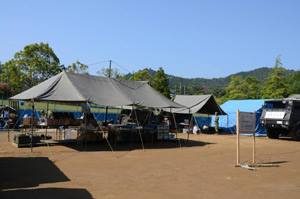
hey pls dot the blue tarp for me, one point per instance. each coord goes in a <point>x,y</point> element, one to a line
<point>203,121</point>
<point>228,122</point>
<point>99,116</point>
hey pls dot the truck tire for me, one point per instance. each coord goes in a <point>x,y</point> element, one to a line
<point>295,134</point>
<point>272,133</point>
<point>124,119</point>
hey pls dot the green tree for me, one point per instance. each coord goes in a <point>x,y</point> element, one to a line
<point>251,86</point>
<point>239,88</point>
<point>218,91</point>
<point>160,83</point>
<point>142,75</point>
<point>5,89</point>
<point>275,85</point>
<point>236,89</point>
<point>294,82</point>
<point>11,73</point>
<point>1,70</point>
<point>78,67</point>
<point>37,63</point>
<point>113,73</point>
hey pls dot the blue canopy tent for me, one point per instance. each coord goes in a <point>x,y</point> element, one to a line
<point>228,122</point>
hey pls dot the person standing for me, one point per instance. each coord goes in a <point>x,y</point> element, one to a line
<point>216,122</point>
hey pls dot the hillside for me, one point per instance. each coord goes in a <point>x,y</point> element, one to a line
<point>214,85</point>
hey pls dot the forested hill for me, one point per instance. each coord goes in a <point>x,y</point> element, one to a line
<point>214,85</point>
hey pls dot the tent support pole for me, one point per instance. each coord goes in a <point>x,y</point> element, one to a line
<point>102,131</point>
<point>85,129</point>
<point>138,128</point>
<point>197,126</point>
<point>46,114</point>
<point>190,122</point>
<point>8,137</point>
<point>106,110</point>
<point>32,119</point>
<point>176,127</point>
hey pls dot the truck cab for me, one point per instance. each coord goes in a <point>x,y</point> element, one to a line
<point>281,117</point>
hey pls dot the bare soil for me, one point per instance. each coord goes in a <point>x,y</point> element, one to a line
<point>203,167</point>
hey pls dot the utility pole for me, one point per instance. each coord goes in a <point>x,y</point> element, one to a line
<point>7,81</point>
<point>180,88</point>
<point>109,72</point>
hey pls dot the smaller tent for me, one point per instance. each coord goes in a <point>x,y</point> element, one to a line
<point>228,123</point>
<point>205,104</point>
<point>196,104</point>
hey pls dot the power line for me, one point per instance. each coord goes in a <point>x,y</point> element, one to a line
<point>109,61</point>
<point>120,66</point>
<point>98,63</point>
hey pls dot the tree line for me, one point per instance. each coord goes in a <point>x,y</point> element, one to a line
<point>38,62</point>
<point>277,84</point>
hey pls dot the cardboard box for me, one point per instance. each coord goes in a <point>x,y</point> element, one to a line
<point>27,121</point>
<point>49,122</point>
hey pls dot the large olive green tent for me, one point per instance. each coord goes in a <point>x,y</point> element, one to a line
<point>70,87</point>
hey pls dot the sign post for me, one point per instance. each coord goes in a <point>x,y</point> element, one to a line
<point>245,124</point>
<point>238,138</point>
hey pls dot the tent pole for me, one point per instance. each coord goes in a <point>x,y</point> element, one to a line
<point>197,126</point>
<point>208,123</point>
<point>85,129</point>
<point>176,127</point>
<point>46,114</point>
<point>106,111</point>
<point>32,119</point>
<point>138,127</point>
<point>8,138</point>
<point>188,133</point>
<point>102,131</point>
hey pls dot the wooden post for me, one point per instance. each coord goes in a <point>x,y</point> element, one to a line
<point>254,147</point>
<point>238,138</point>
<point>254,143</point>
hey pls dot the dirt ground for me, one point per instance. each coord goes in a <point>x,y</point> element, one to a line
<point>203,167</point>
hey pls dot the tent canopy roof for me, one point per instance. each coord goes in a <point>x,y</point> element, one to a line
<point>205,104</point>
<point>78,88</point>
<point>243,105</point>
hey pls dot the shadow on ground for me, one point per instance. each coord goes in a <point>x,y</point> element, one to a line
<point>128,146</point>
<point>47,193</point>
<point>28,172</point>
<point>277,162</point>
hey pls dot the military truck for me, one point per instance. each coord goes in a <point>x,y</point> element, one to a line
<point>281,117</point>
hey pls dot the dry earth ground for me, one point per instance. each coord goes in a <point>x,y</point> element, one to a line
<point>200,169</point>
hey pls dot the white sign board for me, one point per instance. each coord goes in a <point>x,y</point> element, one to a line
<point>247,122</point>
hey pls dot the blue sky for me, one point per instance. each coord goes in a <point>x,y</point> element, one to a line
<point>187,38</point>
